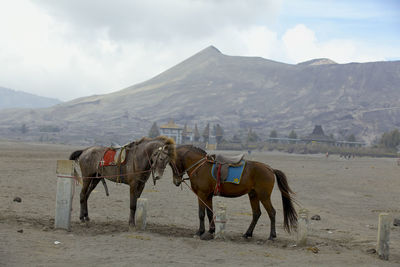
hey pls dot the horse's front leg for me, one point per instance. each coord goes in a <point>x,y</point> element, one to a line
<point>210,215</point>
<point>135,191</point>
<point>202,215</point>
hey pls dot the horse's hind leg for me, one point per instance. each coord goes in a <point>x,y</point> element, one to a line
<point>271,213</point>
<point>255,206</point>
<point>88,186</point>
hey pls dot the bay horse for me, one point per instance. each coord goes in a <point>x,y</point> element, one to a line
<point>257,181</point>
<point>142,158</point>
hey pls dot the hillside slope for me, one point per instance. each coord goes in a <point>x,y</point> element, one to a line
<point>18,99</point>
<point>238,93</point>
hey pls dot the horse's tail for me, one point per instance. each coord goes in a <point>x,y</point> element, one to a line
<point>75,155</point>
<point>289,213</point>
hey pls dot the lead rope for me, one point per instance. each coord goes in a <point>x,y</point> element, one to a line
<point>213,217</point>
<point>151,168</point>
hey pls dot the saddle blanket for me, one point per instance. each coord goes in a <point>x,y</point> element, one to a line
<point>234,173</point>
<point>113,157</point>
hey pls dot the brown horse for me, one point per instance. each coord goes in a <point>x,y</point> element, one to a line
<point>142,158</point>
<point>257,181</point>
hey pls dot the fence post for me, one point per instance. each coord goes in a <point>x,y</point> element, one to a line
<point>220,221</point>
<point>64,194</point>
<point>382,246</point>
<point>302,230</point>
<point>141,212</point>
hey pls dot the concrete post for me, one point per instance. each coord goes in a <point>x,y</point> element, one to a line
<point>382,246</point>
<point>220,221</point>
<point>64,194</point>
<point>141,212</point>
<point>302,230</point>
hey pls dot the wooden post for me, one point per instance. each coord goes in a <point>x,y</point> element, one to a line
<point>302,229</point>
<point>382,246</point>
<point>220,221</point>
<point>64,194</point>
<point>140,215</point>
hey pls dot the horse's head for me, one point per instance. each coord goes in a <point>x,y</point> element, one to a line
<point>185,161</point>
<point>162,154</point>
<point>178,170</point>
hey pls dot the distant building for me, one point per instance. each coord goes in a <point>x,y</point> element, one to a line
<point>187,135</point>
<point>317,136</point>
<point>173,131</point>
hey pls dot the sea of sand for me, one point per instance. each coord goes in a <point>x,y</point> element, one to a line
<point>348,195</point>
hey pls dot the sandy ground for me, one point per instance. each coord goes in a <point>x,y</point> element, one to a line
<point>347,194</point>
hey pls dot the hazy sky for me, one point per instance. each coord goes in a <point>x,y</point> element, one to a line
<point>73,48</point>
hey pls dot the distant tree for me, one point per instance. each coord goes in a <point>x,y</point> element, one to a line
<point>273,134</point>
<point>154,132</point>
<point>184,134</point>
<point>24,129</point>
<point>206,133</point>
<point>196,134</point>
<point>252,136</point>
<point>351,138</point>
<point>318,130</point>
<point>236,139</point>
<point>391,139</point>
<point>219,133</point>
<point>292,135</point>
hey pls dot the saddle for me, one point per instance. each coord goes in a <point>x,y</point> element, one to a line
<point>230,160</point>
<point>221,170</point>
<point>114,157</point>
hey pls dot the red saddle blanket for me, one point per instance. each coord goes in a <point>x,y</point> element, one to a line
<point>113,157</point>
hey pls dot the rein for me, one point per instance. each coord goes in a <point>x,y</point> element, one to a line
<point>197,164</point>
<point>151,168</point>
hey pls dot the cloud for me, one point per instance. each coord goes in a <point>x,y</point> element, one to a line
<point>301,44</point>
<point>158,20</point>
<point>68,49</point>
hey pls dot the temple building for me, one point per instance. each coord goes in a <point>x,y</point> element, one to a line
<point>173,131</point>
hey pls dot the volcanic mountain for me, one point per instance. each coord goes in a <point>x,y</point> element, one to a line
<point>17,99</point>
<point>234,91</point>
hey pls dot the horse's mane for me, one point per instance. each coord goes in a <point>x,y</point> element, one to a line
<point>166,140</point>
<point>194,149</point>
<point>169,142</point>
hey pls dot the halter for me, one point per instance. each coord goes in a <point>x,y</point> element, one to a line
<point>152,166</point>
<point>197,164</point>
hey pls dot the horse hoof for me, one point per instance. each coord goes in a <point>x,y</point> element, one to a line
<point>247,236</point>
<point>199,233</point>
<point>84,219</point>
<point>207,236</point>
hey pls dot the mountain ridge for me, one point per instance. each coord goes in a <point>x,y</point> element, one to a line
<point>18,99</point>
<point>238,93</point>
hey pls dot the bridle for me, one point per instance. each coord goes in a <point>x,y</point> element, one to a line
<point>154,163</point>
<point>195,165</point>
